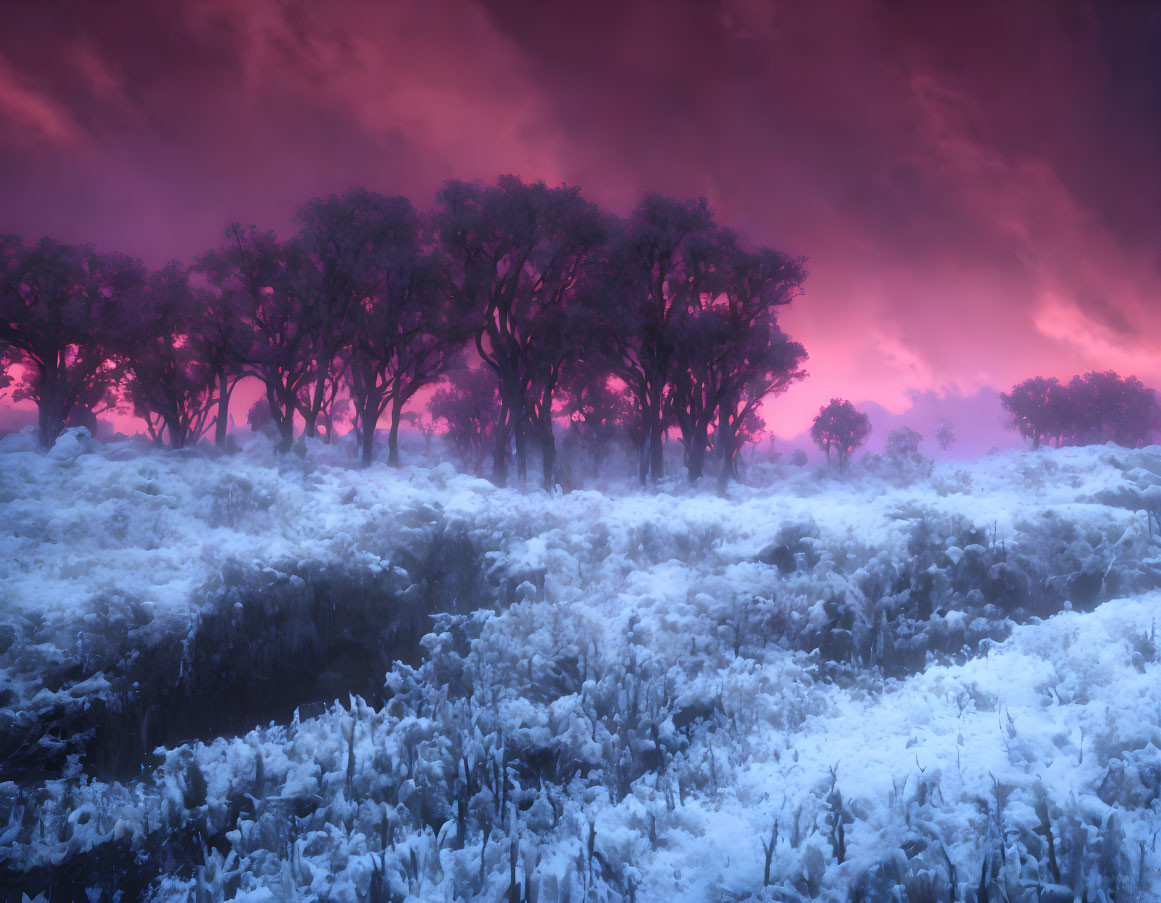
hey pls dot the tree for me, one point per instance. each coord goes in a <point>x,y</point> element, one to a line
<point>222,337</point>
<point>61,313</point>
<point>655,272</point>
<point>169,385</point>
<point>1104,407</point>
<point>903,442</point>
<point>259,418</point>
<point>269,282</point>
<point>759,360</point>
<point>338,241</point>
<point>470,406</point>
<point>520,255</point>
<point>1038,408</point>
<point>407,325</point>
<point>841,426</point>
<point>945,436</point>
<point>6,359</point>
<point>598,413</point>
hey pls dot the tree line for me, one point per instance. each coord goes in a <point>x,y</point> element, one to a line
<point>1091,409</point>
<point>528,303</point>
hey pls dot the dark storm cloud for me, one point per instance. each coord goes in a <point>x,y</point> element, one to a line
<point>976,184</point>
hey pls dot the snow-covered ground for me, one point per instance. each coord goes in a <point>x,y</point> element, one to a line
<point>941,686</point>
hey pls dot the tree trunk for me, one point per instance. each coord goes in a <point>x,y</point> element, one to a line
<point>50,416</point>
<point>284,419</point>
<point>727,440</point>
<point>393,436</point>
<point>310,423</point>
<point>696,464</point>
<point>221,421</point>
<point>521,452</point>
<point>367,423</point>
<point>657,452</point>
<point>314,405</point>
<point>176,433</point>
<point>500,454</point>
<point>548,456</point>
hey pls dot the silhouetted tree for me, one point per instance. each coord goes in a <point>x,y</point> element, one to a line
<point>520,254</point>
<point>222,337</point>
<point>903,442</point>
<point>655,273</point>
<point>1038,409</point>
<point>339,241</point>
<point>470,406</point>
<point>598,413</point>
<point>729,352</point>
<point>169,385</point>
<point>260,419</point>
<point>61,313</point>
<point>407,327</point>
<point>759,360</point>
<point>6,359</point>
<point>1104,407</point>
<point>269,281</point>
<point>841,426</point>
<point>945,435</point>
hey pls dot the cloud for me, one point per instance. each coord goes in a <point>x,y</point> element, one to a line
<point>975,185</point>
<point>34,118</point>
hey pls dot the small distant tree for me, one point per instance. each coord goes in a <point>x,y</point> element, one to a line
<point>259,418</point>
<point>945,436</point>
<point>422,423</point>
<point>1037,408</point>
<point>169,385</point>
<point>842,427</point>
<point>903,442</point>
<point>798,457</point>
<point>62,314</point>
<point>470,407</point>
<point>598,413</point>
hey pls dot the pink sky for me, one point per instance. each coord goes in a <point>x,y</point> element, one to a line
<point>976,185</point>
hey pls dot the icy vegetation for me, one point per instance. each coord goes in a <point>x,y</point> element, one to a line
<point>241,678</point>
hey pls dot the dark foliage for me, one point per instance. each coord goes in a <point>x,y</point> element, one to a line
<point>842,427</point>
<point>1091,409</point>
<point>370,302</point>
<point>470,407</point>
<point>62,313</point>
<point>169,383</point>
<point>522,256</point>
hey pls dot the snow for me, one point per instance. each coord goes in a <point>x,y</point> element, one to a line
<point>627,692</point>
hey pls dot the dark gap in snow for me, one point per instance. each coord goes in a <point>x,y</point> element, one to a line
<point>266,642</point>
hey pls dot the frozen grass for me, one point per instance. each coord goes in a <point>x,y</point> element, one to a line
<point>810,690</point>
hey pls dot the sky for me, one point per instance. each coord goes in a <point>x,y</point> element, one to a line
<point>976,186</point>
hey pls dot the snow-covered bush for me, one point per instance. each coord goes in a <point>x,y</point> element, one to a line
<point>376,684</point>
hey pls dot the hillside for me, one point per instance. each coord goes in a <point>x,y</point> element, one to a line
<point>235,678</point>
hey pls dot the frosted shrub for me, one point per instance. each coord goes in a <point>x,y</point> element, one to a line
<point>230,500</point>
